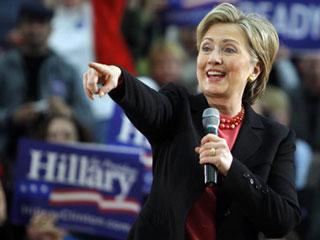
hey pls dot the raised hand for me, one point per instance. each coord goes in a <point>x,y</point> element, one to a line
<point>100,79</point>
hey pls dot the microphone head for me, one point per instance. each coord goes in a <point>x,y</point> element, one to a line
<point>210,118</point>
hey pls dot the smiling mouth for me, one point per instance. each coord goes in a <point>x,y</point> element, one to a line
<point>215,75</point>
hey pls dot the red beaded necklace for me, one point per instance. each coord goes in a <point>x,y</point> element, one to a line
<point>231,123</point>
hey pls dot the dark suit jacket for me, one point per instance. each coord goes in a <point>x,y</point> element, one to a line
<point>257,195</point>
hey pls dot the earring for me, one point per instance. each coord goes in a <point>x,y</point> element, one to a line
<point>251,78</point>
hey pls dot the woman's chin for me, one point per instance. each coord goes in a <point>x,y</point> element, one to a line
<point>212,93</point>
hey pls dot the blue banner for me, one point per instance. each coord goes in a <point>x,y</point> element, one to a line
<point>94,189</point>
<point>123,133</point>
<point>297,21</point>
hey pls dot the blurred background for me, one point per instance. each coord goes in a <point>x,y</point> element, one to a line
<point>45,46</point>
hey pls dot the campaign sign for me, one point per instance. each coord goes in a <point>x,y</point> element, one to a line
<point>94,189</point>
<point>123,133</point>
<point>297,21</point>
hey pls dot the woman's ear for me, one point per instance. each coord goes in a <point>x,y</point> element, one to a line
<point>256,72</point>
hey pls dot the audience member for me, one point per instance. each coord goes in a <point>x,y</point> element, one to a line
<point>109,43</point>
<point>284,73</point>
<point>42,227</point>
<point>62,129</point>
<point>34,78</point>
<point>166,62</point>
<point>141,25</point>
<point>305,113</point>
<point>188,42</point>
<point>72,32</point>
<point>77,35</point>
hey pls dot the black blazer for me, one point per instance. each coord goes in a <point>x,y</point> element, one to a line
<point>257,195</point>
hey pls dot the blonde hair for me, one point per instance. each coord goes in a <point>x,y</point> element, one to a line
<point>263,42</point>
<point>161,46</point>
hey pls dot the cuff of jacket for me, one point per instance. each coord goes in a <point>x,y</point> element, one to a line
<point>118,93</point>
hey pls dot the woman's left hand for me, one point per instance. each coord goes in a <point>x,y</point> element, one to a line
<point>214,150</point>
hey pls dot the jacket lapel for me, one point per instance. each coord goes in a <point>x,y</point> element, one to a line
<point>198,104</point>
<point>249,138</point>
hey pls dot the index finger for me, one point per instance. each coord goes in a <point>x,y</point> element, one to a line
<point>90,80</point>
<point>209,138</point>
<point>100,68</point>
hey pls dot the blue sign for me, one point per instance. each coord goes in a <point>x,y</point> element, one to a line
<point>95,189</point>
<point>123,133</point>
<point>297,21</point>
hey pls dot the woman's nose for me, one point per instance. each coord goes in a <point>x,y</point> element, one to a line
<point>215,57</point>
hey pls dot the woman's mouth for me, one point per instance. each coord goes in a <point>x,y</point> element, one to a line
<point>214,75</point>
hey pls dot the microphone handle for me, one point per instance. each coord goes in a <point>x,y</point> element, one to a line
<point>210,171</point>
<point>210,175</point>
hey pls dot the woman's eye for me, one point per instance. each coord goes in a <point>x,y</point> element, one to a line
<point>206,49</point>
<point>230,50</point>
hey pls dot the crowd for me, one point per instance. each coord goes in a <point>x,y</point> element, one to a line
<point>45,49</point>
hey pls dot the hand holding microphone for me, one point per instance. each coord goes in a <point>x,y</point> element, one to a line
<point>213,152</point>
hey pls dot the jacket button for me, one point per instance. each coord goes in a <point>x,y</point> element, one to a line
<point>246,175</point>
<point>251,181</point>
<point>264,190</point>
<point>227,213</point>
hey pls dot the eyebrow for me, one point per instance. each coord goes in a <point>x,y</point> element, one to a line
<point>224,40</point>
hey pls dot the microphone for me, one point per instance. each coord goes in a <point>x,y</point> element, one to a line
<point>210,122</point>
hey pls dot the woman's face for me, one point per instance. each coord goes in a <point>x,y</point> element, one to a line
<point>35,33</point>
<point>61,130</point>
<point>166,68</point>
<point>224,63</point>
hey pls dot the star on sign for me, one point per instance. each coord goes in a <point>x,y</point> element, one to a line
<point>23,188</point>
<point>33,188</point>
<point>44,188</point>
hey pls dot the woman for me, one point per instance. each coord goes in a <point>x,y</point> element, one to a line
<point>253,155</point>
<point>61,128</point>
